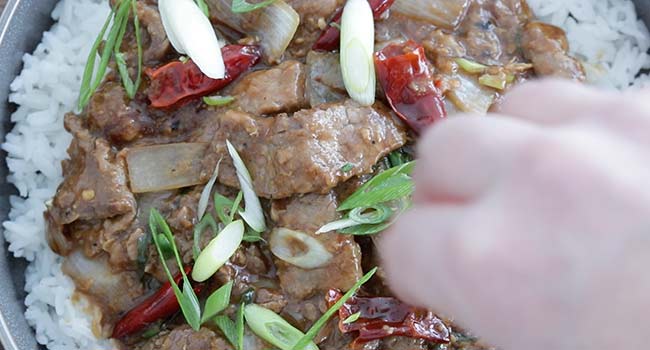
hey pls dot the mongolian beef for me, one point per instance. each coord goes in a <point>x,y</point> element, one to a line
<point>237,206</point>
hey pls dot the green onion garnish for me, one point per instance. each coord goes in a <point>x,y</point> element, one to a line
<point>218,101</point>
<point>390,184</point>
<point>187,299</point>
<point>204,7</point>
<point>217,302</point>
<point>242,6</point>
<point>239,325</point>
<point>274,329</point>
<point>227,327</point>
<point>199,229</point>
<point>316,328</point>
<point>496,81</point>
<point>218,251</point>
<point>252,214</point>
<point>357,47</point>
<point>347,167</point>
<point>352,318</point>
<point>118,20</point>
<point>471,66</point>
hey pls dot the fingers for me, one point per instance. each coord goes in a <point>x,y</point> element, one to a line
<point>462,156</point>
<point>456,262</point>
<point>550,102</point>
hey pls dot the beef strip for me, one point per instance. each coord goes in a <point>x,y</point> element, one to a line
<point>185,338</point>
<point>94,188</point>
<point>307,214</point>
<point>304,152</point>
<point>324,78</point>
<point>274,90</point>
<point>155,42</point>
<point>110,113</point>
<point>547,47</point>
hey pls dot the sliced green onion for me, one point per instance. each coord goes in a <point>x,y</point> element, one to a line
<point>227,327</point>
<point>357,47</point>
<point>347,167</point>
<point>218,101</point>
<point>496,81</point>
<point>206,222</point>
<point>217,302</point>
<point>184,59</point>
<point>242,6</point>
<point>223,204</point>
<point>274,329</point>
<point>373,214</point>
<point>239,325</point>
<point>252,214</point>
<point>190,32</point>
<point>130,87</point>
<point>360,216</point>
<point>471,66</point>
<point>204,7</point>
<point>218,251</point>
<point>91,79</point>
<point>352,318</point>
<point>390,184</point>
<point>251,236</point>
<point>310,253</point>
<point>165,247</point>
<point>337,225</point>
<point>318,325</point>
<point>187,299</point>
<point>205,194</point>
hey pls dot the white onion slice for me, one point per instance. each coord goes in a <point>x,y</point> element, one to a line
<point>190,32</point>
<point>252,214</point>
<point>218,251</point>
<point>299,249</point>
<point>357,47</point>
<point>205,194</point>
<point>164,167</point>
<point>446,14</point>
<point>470,96</point>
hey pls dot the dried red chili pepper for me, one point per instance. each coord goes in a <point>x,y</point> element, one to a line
<point>329,39</point>
<point>158,306</point>
<point>382,317</point>
<point>405,75</point>
<point>176,82</point>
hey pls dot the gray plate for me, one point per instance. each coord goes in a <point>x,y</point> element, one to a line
<point>21,26</point>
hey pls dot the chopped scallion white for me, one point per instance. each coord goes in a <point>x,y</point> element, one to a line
<point>298,248</point>
<point>357,46</point>
<point>252,214</point>
<point>274,329</point>
<point>190,32</point>
<point>205,194</point>
<point>218,251</point>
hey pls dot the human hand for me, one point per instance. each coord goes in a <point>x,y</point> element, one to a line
<point>532,227</point>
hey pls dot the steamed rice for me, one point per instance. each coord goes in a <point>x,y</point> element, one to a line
<point>605,34</point>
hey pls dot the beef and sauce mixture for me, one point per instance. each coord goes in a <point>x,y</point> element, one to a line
<point>137,182</point>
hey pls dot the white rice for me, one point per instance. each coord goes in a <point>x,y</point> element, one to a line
<point>604,33</point>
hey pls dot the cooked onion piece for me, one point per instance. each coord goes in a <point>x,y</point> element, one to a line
<point>471,96</point>
<point>164,167</point>
<point>299,249</point>
<point>271,327</point>
<point>446,14</point>
<point>357,47</point>
<point>190,32</point>
<point>252,214</point>
<point>218,251</point>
